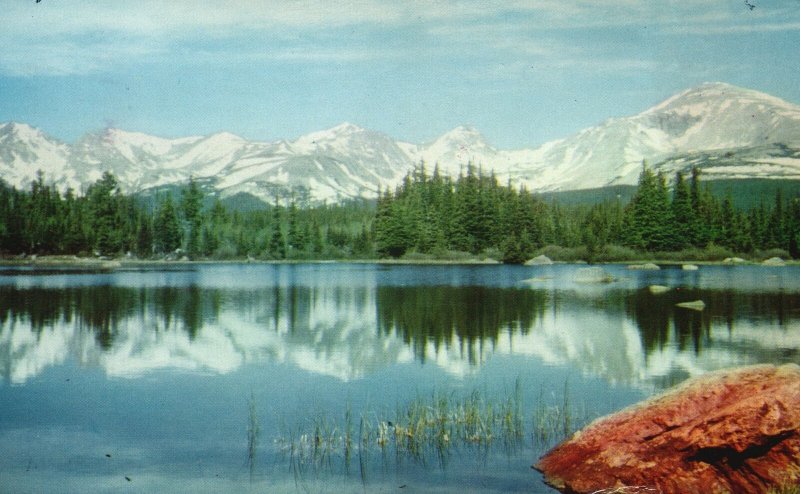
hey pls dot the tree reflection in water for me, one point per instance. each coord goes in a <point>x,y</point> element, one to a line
<point>349,330</point>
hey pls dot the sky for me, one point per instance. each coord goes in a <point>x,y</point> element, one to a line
<point>521,72</point>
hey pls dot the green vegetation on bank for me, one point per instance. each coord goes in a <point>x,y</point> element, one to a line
<point>474,213</point>
<point>428,217</point>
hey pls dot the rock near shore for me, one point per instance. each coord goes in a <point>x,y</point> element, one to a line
<point>735,431</point>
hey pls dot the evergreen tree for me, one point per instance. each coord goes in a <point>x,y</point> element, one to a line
<point>777,234</point>
<point>793,228</point>
<point>277,241</point>
<point>103,202</point>
<point>42,218</point>
<point>298,234</point>
<point>191,204</point>
<point>391,235</point>
<point>15,209</point>
<point>166,227</point>
<point>649,214</point>
<point>76,238</point>
<point>144,237</point>
<point>470,228</point>
<point>705,227</point>
<point>595,228</point>
<point>682,215</point>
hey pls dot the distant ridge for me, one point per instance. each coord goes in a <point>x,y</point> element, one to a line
<point>728,131</point>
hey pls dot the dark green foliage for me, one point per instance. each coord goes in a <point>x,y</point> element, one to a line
<point>166,228</point>
<point>299,234</point>
<point>277,240</point>
<point>682,214</point>
<point>393,234</point>
<point>431,215</point>
<point>434,214</point>
<point>104,201</point>
<point>649,216</point>
<point>427,216</point>
<point>191,204</point>
<point>590,197</point>
<point>144,237</point>
<point>748,194</point>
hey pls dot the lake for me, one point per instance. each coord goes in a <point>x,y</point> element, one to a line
<point>308,377</point>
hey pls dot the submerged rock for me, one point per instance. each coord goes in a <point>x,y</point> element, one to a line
<point>538,279</point>
<point>542,260</point>
<point>593,274</point>
<point>649,266</point>
<point>733,260</point>
<point>694,305</point>
<point>658,289</point>
<point>690,267</point>
<point>728,431</point>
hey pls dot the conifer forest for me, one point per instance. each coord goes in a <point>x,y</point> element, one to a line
<point>428,216</point>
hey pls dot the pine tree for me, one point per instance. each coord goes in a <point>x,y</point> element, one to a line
<point>103,202</point>
<point>595,231</point>
<point>649,214</point>
<point>277,241</point>
<point>391,237</point>
<point>298,236</point>
<point>705,227</point>
<point>166,227</point>
<point>191,204</point>
<point>793,227</point>
<point>777,235</point>
<point>682,215</point>
<point>144,237</point>
<point>14,239</point>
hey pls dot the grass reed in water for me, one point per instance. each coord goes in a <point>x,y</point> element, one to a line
<point>429,427</point>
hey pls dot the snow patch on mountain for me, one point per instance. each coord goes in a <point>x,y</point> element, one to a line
<point>728,131</point>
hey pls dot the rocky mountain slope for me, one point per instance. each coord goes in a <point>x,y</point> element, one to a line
<point>728,131</point>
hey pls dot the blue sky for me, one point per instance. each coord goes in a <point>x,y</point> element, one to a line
<point>521,72</point>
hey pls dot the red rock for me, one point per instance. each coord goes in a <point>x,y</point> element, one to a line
<point>735,431</point>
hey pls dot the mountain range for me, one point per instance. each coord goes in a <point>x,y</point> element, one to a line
<point>728,131</point>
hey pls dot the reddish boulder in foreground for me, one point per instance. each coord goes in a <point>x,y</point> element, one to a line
<point>734,431</point>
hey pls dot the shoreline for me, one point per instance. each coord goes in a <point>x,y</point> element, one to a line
<point>66,261</point>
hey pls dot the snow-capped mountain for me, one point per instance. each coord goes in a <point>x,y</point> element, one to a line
<point>717,119</point>
<point>728,131</point>
<point>343,162</point>
<point>25,150</point>
<point>456,148</point>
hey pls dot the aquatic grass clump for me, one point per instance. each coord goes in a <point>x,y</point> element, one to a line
<point>791,483</point>
<point>427,427</point>
<point>253,432</point>
<point>786,489</point>
<point>552,423</point>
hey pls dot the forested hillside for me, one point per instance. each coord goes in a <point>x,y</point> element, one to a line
<point>474,213</point>
<point>428,216</point>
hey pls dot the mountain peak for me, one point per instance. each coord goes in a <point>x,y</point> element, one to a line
<point>718,94</point>
<point>463,133</point>
<point>222,137</point>
<point>345,128</point>
<point>21,131</point>
<point>337,136</point>
<point>460,146</point>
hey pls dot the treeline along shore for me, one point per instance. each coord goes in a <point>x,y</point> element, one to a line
<point>427,217</point>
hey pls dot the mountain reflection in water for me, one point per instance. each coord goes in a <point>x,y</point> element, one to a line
<point>621,333</point>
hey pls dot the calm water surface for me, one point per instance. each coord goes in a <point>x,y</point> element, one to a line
<point>153,380</point>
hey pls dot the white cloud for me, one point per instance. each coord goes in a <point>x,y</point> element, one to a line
<point>86,36</point>
<point>715,29</point>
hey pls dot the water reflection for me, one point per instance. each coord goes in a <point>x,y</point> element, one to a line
<point>661,322</point>
<point>465,320</point>
<point>622,332</point>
